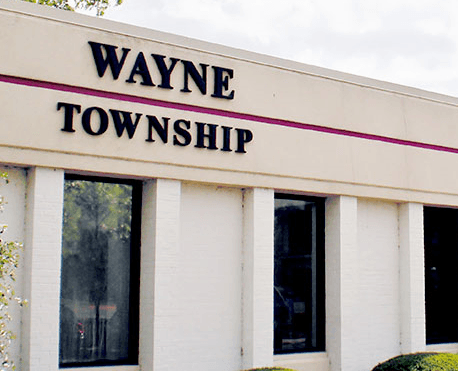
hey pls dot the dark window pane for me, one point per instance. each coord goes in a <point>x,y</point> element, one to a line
<point>97,318</point>
<point>299,275</point>
<point>441,274</point>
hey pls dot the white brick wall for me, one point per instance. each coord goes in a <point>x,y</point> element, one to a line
<point>43,261</point>
<point>258,258</point>
<point>341,242</point>
<point>198,277</point>
<point>412,281</point>
<point>191,280</point>
<point>207,277</point>
<point>377,330</point>
<point>192,246</point>
<point>148,248</point>
<point>362,283</point>
<point>160,278</point>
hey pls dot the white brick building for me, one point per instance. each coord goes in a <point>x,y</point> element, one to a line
<point>188,206</point>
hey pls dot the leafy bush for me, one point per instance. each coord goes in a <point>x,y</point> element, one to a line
<point>420,362</point>
<point>9,260</point>
<point>99,5</point>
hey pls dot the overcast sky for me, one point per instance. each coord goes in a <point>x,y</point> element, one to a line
<point>410,42</point>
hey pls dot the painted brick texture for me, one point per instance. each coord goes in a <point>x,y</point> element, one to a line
<point>207,277</point>
<point>412,268</point>
<point>198,279</point>
<point>376,314</point>
<point>363,285</point>
<point>258,258</point>
<point>43,261</point>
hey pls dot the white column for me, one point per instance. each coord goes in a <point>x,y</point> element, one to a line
<point>160,246</point>
<point>258,255</point>
<point>341,281</point>
<point>147,276</point>
<point>42,250</point>
<point>412,278</point>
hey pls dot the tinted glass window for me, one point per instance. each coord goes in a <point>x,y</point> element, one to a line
<point>299,274</point>
<point>441,274</point>
<point>100,270</point>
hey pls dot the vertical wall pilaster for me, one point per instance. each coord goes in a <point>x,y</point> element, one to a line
<point>258,256</point>
<point>146,333</point>
<point>412,278</point>
<point>160,246</point>
<point>42,261</point>
<point>341,279</point>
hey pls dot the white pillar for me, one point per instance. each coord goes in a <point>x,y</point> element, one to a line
<point>258,255</point>
<point>42,261</point>
<point>160,246</point>
<point>412,278</point>
<point>146,334</point>
<point>341,280</point>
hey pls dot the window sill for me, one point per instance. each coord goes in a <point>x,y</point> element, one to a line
<point>314,361</point>
<point>443,348</point>
<point>103,368</point>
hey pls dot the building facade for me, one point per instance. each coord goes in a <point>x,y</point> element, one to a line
<point>189,206</point>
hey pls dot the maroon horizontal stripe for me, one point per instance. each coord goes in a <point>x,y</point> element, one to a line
<point>218,112</point>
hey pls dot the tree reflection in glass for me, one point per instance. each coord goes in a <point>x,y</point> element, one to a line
<point>95,281</point>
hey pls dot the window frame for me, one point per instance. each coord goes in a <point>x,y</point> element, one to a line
<point>320,272</point>
<point>134,284</point>
<point>438,265</point>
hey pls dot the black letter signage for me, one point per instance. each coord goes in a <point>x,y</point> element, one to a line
<point>96,121</point>
<point>139,67</point>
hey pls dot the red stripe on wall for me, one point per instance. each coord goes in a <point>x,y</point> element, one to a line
<point>218,112</point>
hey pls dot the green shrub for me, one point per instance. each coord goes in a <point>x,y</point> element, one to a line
<point>420,362</point>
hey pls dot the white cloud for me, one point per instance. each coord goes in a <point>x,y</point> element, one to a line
<point>410,42</point>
